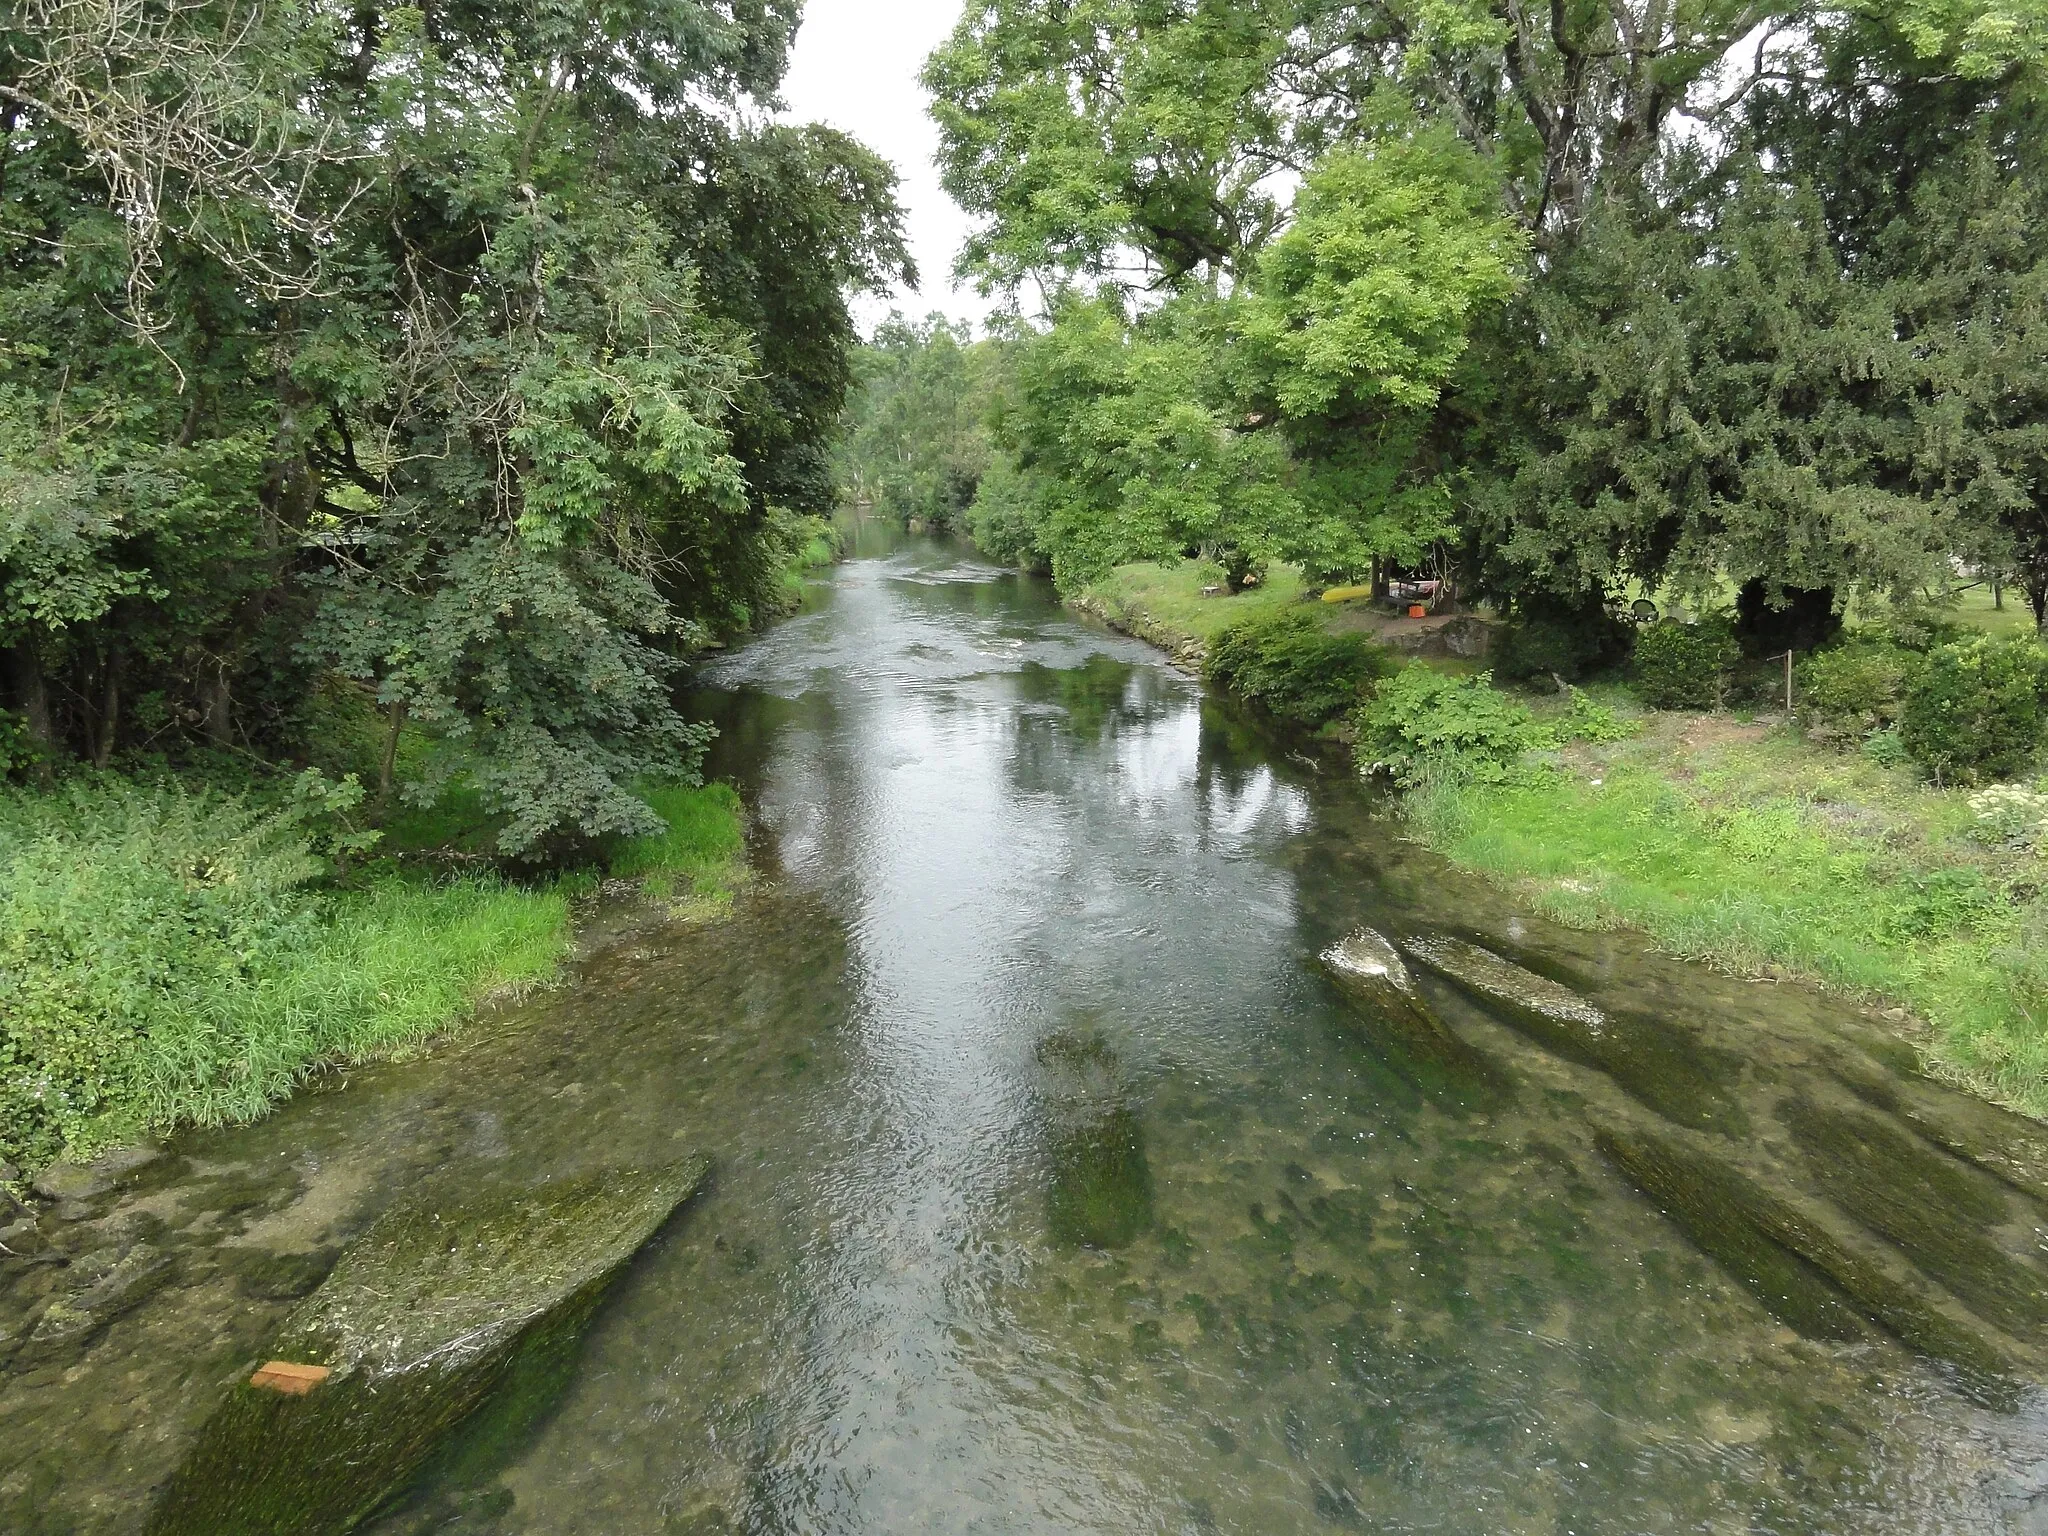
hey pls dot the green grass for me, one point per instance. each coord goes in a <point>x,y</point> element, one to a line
<point>1975,608</point>
<point>1164,603</point>
<point>171,955</point>
<point>700,859</point>
<point>1765,855</point>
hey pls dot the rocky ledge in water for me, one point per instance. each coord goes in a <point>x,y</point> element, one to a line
<point>429,1317</point>
<point>1657,1063</point>
<point>1816,1276</point>
<point>1399,1019</point>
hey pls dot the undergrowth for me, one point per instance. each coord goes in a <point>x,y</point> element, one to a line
<point>171,955</point>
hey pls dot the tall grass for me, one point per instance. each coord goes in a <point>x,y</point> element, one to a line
<point>1767,885</point>
<point>169,955</point>
<point>699,856</point>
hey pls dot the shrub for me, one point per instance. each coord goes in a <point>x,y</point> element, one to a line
<point>1973,711</point>
<point>1424,727</point>
<point>1590,720</point>
<point>1886,750</point>
<point>1289,665</point>
<point>1685,666</point>
<point>1550,639</point>
<point>1862,683</point>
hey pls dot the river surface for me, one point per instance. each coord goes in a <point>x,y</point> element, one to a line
<point>1057,1188</point>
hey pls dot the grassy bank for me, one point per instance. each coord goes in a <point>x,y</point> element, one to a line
<point>1742,844</point>
<point>1164,605</point>
<point>1753,850</point>
<point>171,955</point>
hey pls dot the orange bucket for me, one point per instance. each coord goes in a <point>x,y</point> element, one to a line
<point>1416,610</point>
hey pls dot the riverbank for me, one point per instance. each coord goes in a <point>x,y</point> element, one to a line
<point>174,955</point>
<point>1744,845</point>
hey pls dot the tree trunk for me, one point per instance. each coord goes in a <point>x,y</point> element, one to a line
<point>387,767</point>
<point>217,708</point>
<point>110,711</point>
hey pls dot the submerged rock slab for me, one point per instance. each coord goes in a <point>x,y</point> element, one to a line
<point>1098,1190</point>
<point>1652,1061</point>
<point>425,1319</point>
<point>2010,1147</point>
<point>1802,1274</point>
<point>1371,971</point>
<point>1937,1211</point>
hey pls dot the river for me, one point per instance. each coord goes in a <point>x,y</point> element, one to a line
<point>1057,1187</point>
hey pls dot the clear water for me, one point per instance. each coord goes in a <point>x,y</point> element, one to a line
<point>1057,1190</point>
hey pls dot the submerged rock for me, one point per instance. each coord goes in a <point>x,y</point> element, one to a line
<point>113,1287</point>
<point>1654,1062</point>
<point>1100,1191</point>
<point>68,1182</point>
<point>1099,1186</point>
<point>1803,1275</point>
<point>1936,1210</point>
<point>2010,1147</point>
<point>1372,973</point>
<point>425,1319</point>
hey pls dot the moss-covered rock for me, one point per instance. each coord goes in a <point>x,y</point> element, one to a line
<point>425,1320</point>
<point>118,1283</point>
<point>1935,1209</point>
<point>1655,1062</point>
<point>2010,1147</point>
<point>1099,1185</point>
<point>1806,1278</point>
<point>1398,1019</point>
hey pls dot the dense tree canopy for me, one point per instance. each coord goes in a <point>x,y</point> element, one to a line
<point>1564,296</point>
<point>480,354</point>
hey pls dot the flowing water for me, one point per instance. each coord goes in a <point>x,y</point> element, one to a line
<point>1058,1189</point>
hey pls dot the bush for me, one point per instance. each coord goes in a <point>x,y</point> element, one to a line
<point>1288,664</point>
<point>1685,666</point>
<point>1424,727</point>
<point>1973,711</point>
<point>1590,720</point>
<point>1548,639</point>
<point>1862,683</point>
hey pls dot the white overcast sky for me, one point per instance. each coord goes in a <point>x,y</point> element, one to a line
<point>855,67</point>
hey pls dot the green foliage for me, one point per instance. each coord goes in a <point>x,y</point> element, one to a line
<point>1973,710</point>
<point>1290,665</point>
<point>1782,329</point>
<point>1126,436</point>
<point>474,358</point>
<point>915,444</point>
<point>1862,683</point>
<point>1685,666</point>
<point>1006,519</point>
<point>1885,749</point>
<point>163,956</point>
<point>170,955</point>
<point>1590,720</point>
<point>1546,639</point>
<point>1424,728</point>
